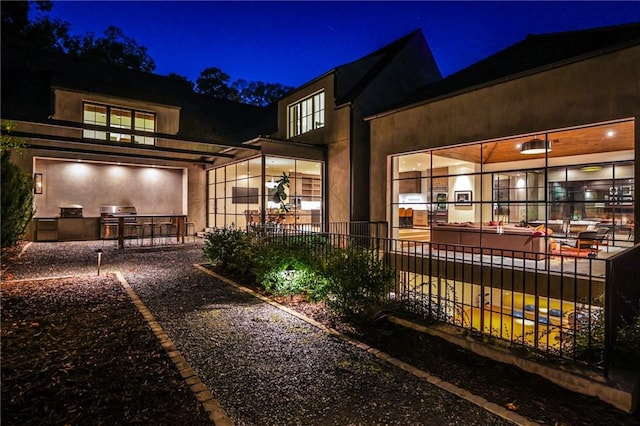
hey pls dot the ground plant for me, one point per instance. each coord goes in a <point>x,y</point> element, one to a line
<point>230,249</point>
<point>351,278</point>
<point>357,278</point>
<point>627,349</point>
<point>291,265</point>
<point>17,201</point>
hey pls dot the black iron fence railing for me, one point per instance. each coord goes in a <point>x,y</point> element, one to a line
<point>565,307</point>
<point>622,295</point>
<point>360,229</point>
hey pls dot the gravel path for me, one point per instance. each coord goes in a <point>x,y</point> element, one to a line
<point>265,366</point>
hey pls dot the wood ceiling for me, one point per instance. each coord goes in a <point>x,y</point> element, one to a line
<point>588,140</point>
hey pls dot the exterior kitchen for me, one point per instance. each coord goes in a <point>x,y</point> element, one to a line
<point>75,196</point>
<point>103,141</point>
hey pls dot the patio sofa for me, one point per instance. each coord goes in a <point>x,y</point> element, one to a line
<point>512,241</point>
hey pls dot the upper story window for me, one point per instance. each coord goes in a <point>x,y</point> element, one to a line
<point>118,118</point>
<point>306,115</point>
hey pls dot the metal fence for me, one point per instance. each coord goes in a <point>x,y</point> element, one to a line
<point>561,306</point>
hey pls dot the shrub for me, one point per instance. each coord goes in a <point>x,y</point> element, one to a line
<point>230,249</point>
<point>17,202</point>
<point>290,265</point>
<point>627,349</point>
<point>357,279</point>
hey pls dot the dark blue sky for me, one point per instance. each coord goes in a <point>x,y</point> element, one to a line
<point>293,42</point>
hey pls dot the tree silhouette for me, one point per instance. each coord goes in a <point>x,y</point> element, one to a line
<point>42,32</point>
<point>115,48</point>
<point>215,82</point>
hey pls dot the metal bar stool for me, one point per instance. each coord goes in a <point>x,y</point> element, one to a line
<point>190,229</point>
<point>152,230</point>
<point>166,231</point>
<point>133,230</point>
<point>110,233</point>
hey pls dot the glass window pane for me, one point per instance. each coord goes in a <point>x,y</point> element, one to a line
<point>119,137</point>
<point>95,114</point>
<point>255,166</point>
<point>144,121</point>
<point>145,140</point>
<point>120,118</point>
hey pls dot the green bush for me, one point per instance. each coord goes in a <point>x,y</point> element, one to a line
<point>231,250</point>
<point>627,349</point>
<point>17,202</point>
<point>289,265</point>
<point>351,280</point>
<point>357,279</point>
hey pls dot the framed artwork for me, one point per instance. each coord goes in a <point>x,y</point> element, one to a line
<point>462,198</point>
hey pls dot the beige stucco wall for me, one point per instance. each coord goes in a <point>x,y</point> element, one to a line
<point>180,188</point>
<point>91,185</point>
<point>68,107</point>
<point>335,136</point>
<point>338,169</point>
<point>318,136</point>
<point>593,90</point>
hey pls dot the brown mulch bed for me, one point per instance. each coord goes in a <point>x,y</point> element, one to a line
<point>76,351</point>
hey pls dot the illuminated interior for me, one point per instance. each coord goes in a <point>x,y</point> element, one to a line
<point>239,195</point>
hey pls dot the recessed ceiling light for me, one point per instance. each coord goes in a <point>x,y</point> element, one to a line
<point>611,133</point>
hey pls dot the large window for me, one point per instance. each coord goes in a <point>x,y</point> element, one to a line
<point>579,180</point>
<point>118,118</point>
<point>239,194</point>
<point>306,115</point>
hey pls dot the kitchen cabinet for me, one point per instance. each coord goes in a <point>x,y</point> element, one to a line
<point>410,183</point>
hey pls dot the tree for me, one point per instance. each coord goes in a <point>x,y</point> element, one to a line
<point>16,192</point>
<point>215,82</point>
<point>7,140</point>
<point>259,93</point>
<point>42,32</point>
<point>115,48</point>
<point>176,76</point>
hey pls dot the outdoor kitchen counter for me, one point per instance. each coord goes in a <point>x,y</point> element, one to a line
<point>66,228</point>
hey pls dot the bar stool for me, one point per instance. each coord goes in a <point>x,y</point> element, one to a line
<point>151,229</point>
<point>110,233</point>
<point>190,229</point>
<point>133,230</point>
<point>166,229</point>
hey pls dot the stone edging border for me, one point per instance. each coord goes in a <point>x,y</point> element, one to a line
<point>449,387</point>
<point>210,405</point>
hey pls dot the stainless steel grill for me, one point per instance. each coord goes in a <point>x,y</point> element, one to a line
<point>71,210</point>
<point>109,216</point>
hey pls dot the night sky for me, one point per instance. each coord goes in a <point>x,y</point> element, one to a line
<point>293,42</point>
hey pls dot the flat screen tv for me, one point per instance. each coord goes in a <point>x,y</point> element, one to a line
<point>244,195</point>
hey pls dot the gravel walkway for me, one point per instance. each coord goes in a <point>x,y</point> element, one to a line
<point>264,366</point>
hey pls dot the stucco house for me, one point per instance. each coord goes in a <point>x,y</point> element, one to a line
<point>101,135</point>
<point>508,187</point>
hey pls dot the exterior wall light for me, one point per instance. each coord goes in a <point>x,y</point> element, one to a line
<point>37,183</point>
<point>535,146</point>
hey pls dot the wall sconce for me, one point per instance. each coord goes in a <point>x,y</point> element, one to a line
<point>37,183</point>
<point>535,146</point>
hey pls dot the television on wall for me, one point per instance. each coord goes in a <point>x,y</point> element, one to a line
<point>244,195</point>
